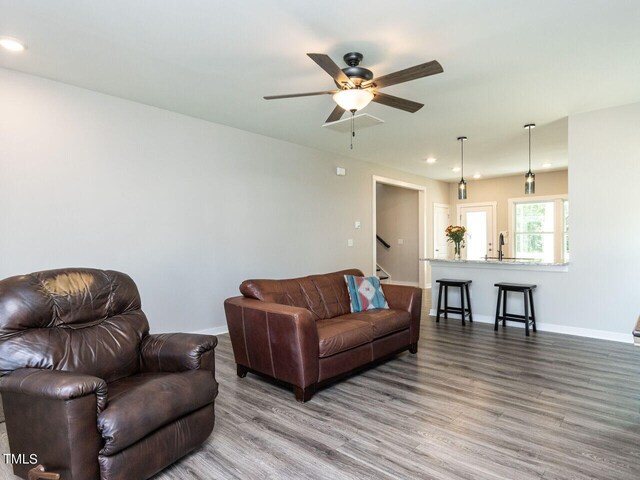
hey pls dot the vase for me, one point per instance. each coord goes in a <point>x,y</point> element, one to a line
<point>457,251</point>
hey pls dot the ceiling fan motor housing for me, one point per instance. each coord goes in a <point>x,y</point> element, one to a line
<point>353,71</point>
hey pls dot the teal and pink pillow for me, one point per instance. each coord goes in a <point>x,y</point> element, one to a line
<point>365,293</point>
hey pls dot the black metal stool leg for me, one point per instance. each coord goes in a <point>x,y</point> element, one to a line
<point>504,307</point>
<point>439,306</point>
<point>462,315</point>
<point>466,287</point>
<point>446,302</point>
<point>526,314</point>
<point>495,327</point>
<point>533,313</point>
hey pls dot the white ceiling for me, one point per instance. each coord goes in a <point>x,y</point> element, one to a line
<point>506,63</point>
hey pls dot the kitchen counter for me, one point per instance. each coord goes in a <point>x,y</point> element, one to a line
<point>550,279</point>
<point>530,265</point>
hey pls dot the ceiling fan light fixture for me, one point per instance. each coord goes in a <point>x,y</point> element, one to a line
<point>353,99</point>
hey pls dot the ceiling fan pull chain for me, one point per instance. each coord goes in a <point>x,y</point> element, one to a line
<point>353,126</point>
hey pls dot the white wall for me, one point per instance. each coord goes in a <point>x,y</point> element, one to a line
<point>397,220</point>
<point>604,187</point>
<point>188,208</point>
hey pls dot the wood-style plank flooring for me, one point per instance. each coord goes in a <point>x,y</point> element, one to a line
<point>472,404</point>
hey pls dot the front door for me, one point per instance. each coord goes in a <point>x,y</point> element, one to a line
<point>479,222</point>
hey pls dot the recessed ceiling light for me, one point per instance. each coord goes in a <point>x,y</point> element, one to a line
<point>477,175</point>
<point>546,165</point>
<point>11,44</point>
<point>455,169</point>
<point>431,160</point>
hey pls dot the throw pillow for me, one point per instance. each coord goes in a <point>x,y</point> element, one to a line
<point>365,293</point>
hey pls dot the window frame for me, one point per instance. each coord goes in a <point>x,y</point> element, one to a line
<point>558,227</point>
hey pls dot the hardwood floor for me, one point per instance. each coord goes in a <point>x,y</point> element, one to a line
<point>472,404</point>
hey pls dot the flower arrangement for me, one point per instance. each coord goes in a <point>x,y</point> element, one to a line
<point>455,235</point>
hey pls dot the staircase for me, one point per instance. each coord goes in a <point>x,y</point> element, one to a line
<point>381,273</point>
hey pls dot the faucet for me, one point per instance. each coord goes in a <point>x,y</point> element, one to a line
<point>500,245</point>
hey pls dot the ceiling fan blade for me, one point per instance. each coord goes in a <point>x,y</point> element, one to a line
<point>329,66</point>
<point>406,75</point>
<point>397,102</point>
<point>308,94</point>
<point>335,115</point>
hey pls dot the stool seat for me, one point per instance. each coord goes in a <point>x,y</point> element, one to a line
<point>453,282</point>
<point>529,317</point>
<point>515,287</point>
<point>462,310</point>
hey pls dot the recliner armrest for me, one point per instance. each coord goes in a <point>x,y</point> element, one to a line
<point>54,384</point>
<point>636,333</point>
<point>178,352</point>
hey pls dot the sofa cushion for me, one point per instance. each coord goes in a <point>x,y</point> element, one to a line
<point>339,334</point>
<point>325,296</point>
<point>140,404</point>
<point>383,320</point>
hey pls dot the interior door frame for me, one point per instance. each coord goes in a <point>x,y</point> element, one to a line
<point>422,223</point>
<point>494,208</point>
<point>438,205</point>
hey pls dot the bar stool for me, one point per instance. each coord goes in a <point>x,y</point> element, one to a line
<point>528,317</point>
<point>461,310</point>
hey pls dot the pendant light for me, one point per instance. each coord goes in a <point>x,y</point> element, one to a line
<point>530,177</point>
<point>462,185</point>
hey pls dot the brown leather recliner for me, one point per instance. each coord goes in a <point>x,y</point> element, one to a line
<point>86,389</point>
<point>301,331</point>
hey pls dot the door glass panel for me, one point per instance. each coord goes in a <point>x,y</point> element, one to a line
<point>476,235</point>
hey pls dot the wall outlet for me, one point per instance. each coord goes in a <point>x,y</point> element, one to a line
<point>350,242</point>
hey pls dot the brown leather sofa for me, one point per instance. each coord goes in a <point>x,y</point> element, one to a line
<point>87,390</point>
<point>301,331</point>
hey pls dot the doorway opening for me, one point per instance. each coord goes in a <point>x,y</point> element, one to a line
<point>399,210</point>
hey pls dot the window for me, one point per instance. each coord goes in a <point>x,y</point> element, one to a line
<point>540,229</point>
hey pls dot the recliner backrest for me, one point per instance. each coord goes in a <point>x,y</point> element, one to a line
<point>325,296</point>
<point>76,319</point>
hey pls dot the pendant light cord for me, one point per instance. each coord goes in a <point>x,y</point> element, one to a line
<point>529,149</point>
<point>461,159</point>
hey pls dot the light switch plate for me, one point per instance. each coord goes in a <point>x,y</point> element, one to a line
<point>357,224</point>
<point>350,242</point>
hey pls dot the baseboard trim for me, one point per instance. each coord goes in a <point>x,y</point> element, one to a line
<point>213,331</point>
<point>555,328</point>
<point>405,284</point>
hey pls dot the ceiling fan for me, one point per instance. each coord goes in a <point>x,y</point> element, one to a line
<point>357,85</point>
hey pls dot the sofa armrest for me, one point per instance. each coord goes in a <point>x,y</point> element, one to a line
<point>178,352</point>
<point>408,299</point>
<point>636,333</point>
<point>55,385</point>
<point>278,340</point>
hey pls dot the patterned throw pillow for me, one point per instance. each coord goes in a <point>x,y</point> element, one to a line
<point>365,293</point>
